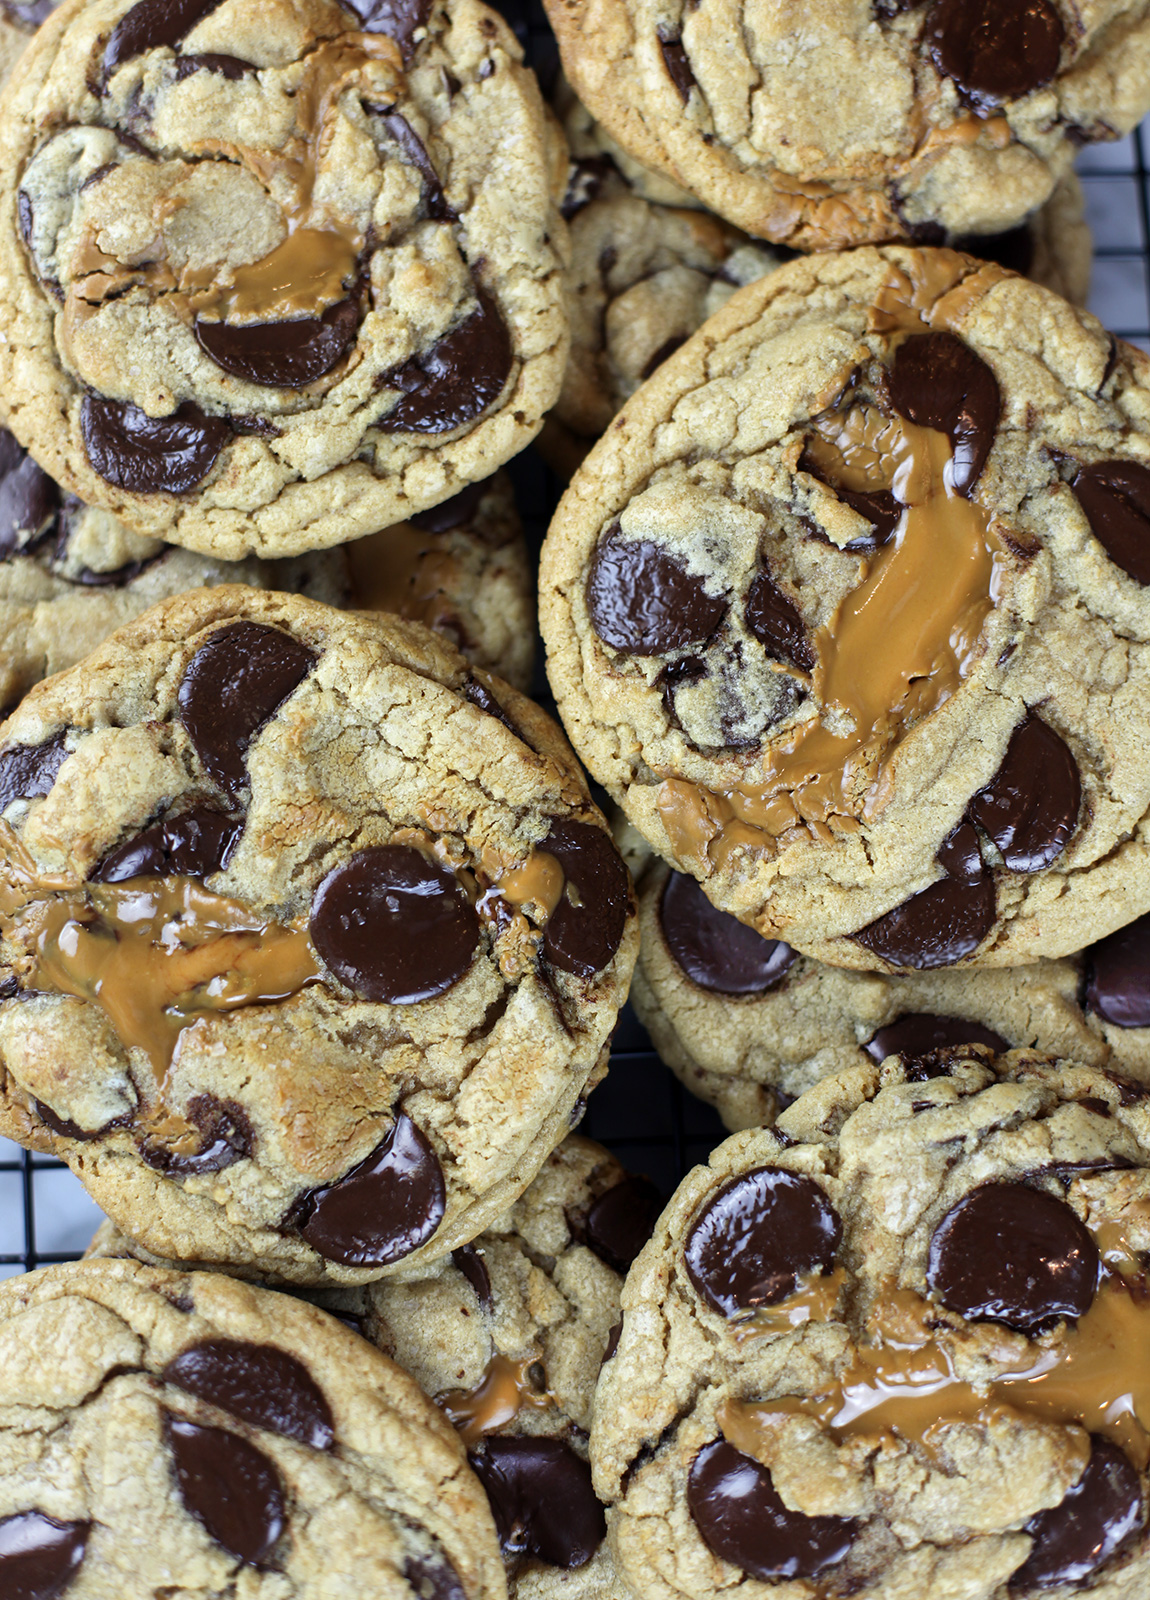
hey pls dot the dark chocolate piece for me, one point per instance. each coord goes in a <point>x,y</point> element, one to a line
<point>1115,495</point>
<point>620,1222</point>
<point>1030,807</point>
<point>231,67</point>
<point>258,1384</point>
<point>29,499</point>
<point>919,1037</point>
<point>584,931</point>
<point>29,16</point>
<point>28,771</point>
<point>455,381</point>
<point>394,925</point>
<point>542,1500</point>
<point>878,506</point>
<point>775,621</point>
<point>737,1510</point>
<point>468,1261</point>
<point>757,1238</point>
<point>151,25</point>
<point>281,355</point>
<point>585,177</point>
<point>434,1580</point>
<point>480,695</point>
<point>401,20</point>
<point>663,353</point>
<point>229,1486</point>
<point>1013,249</point>
<point>193,845</point>
<point>995,50</point>
<point>226,1136</point>
<point>641,601</point>
<point>1118,976</point>
<point>451,513</point>
<point>415,150</point>
<point>944,923</point>
<point>150,455</point>
<point>1090,1524</point>
<point>39,1556</point>
<point>235,683</point>
<point>384,1208</point>
<point>937,381</point>
<point>1012,1254</point>
<point>67,1129</point>
<point>714,949</point>
<point>677,62</point>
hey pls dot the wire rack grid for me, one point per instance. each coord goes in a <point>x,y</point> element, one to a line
<point>640,1111</point>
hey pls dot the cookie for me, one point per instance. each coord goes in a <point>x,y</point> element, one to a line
<point>866,121</point>
<point>847,612</point>
<point>748,1025</point>
<point>895,1347</point>
<point>461,568</point>
<point>164,1431</point>
<point>276,276</point>
<point>311,937</point>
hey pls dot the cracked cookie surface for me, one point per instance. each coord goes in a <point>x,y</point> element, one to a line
<point>311,936</point>
<point>894,1347</point>
<point>164,1428</point>
<point>860,122</point>
<point>847,611</point>
<point>274,279</point>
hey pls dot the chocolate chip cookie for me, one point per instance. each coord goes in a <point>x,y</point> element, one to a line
<point>748,1024</point>
<point>847,612</point>
<point>860,120</point>
<point>166,1432</point>
<point>276,273</point>
<point>310,937</point>
<point>895,1347</point>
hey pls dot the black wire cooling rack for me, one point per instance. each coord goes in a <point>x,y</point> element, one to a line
<point>640,1111</point>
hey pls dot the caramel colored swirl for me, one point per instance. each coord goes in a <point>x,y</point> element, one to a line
<point>504,1391</point>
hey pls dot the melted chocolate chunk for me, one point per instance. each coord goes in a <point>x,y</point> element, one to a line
<point>192,845</point>
<point>39,1557</point>
<point>642,602</point>
<point>995,50</point>
<point>152,25</point>
<point>1118,976</point>
<point>401,20</point>
<point>229,1486</point>
<point>258,1384</point>
<point>1030,807</point>
<point>28,771</point>
<point>468,1261</point>
<point>737,1510</point>
<point>714,949</point>
<point>620,1222</point>
<point>920,1037</point>
<point>1012,1254</point>
<point>448,514</point>
<point>66,1128</point>
<point>456,380</point>
<point>1091,1523</point>
<point>226,1137</point>
<point>1115,495</point>
<point>236,681</point>
<point>541,1498</point>
<point>613,1338</point>
<point>677,63</point>
<point>585,177</point>
<point>29,499</point>
<point>231,67</point>
<point>434,1580</point>
<point>758,1237</point>
<point>584,931</point>
<point>775,621</point>
<point>878,506</point>
<point>394,926</point>
<point>281,355</point>
<point>937,381</point>
<point>480,695</point>
<point>945,922</point>
<point>415,150</point>
<point>384,1208</point>
<point>150,455</point>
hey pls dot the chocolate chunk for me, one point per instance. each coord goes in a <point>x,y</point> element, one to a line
<point>456,380</point>
<point>995,50</point>
<point>585,177</point>
<point>66,1128</point>
<point>641,601</point>
<point>28,499</point>
<point>878,506</point>
<point>231,67</point>
<point>1012,1254</point>
<point>541,1498</point>
<point>384,1208</point>
<point>236,681</point>
<point>1030,807</point>
<point>152,25</point>
<point>226,1137</point>
<point>737,1510</point>
<point>415,150</point>
<point>1118,976</point>
<point>919,1037</point>
<point>192,845</point>
<point>1115,495</point>
<point>28,16</point>
<point>758,1237</point>
<point>480,695</point>
<point>470,1263</point>
<point>229,1486</point>
<point>434,1580</point>
<point>25,215</point>
<point>394,926</point>
<point>281,355</point>
<point>714,949</point>
<point>28,771</point>
<point>945,922</point>
<point>583,933</point>
<point>39,1556</point>
<point>621,1221</point>
<point>1091,1523</point>
<point>258,1384</point>
<point>451,513</point>
<point>937,381</point>
<point>150,455</point>
<point>663,353</point>
<point>401,20</point>
<point>613,1338</point>
<point>1013,249</point>
<point>775,621</point>
<point>677,63</point>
